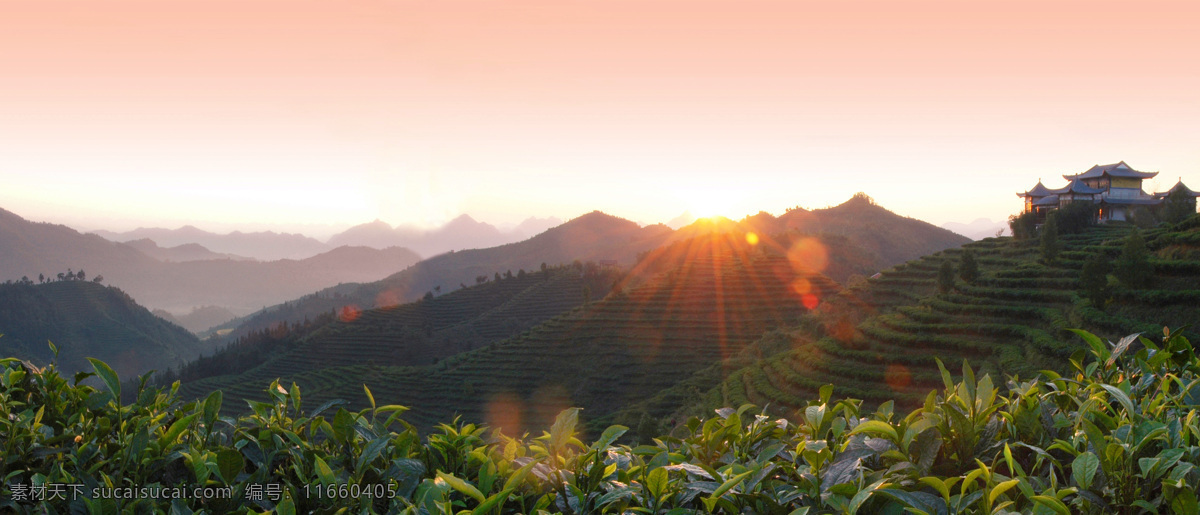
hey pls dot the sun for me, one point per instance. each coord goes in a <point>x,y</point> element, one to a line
<point>707,203</point>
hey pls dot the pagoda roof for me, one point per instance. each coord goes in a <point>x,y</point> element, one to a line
<point>1051,200</point>
<point>1114,170</point>
<point>1036,191</point>
<point>1077,187</point>
<point>1178,186</point>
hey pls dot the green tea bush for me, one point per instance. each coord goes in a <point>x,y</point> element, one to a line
<point>1119,433</point>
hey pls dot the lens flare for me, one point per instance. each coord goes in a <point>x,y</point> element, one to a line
<point>808,255</point>
<point>897,377</point>
<point>751,238</point>
<point>388,298</point>
<point>503,411</point>
<point>802,286</point>
<point>349,313</point>
<point>840,328</point>
<point>810,301</point>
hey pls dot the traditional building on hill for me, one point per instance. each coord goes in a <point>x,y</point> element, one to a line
<point>1116,189</point>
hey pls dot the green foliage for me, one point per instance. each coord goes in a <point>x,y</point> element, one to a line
<point>945,277</point>
<point>1093,280</point>
<point>1049,239</point>
<point>1117,434</point>
<point>1178,206</point>
<point>1075,217</point>
<point>968,268</point>
<point>1133,268</point>
<point>1023,226</point>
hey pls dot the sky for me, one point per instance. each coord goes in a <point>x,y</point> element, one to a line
<point>314,115</point>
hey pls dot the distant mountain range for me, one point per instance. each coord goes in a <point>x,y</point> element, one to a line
<point>864,237</point>
<point>979,229</point>
<point>199,319</point>
<point>180,253</point>
<point>592,237</point>
<point>189,243</point>
<point>264,246</point>
<point>29,249</point>
<point>860,236</point>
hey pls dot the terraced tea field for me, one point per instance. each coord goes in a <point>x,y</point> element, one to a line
<point>418,333</point>
<point>1013,319</point>
<point>603,356</point>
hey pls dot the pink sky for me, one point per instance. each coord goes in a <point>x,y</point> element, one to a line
<point>302,115</point>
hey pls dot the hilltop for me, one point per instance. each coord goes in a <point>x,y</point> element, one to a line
<point>86,319</point>
<point>882,238</point>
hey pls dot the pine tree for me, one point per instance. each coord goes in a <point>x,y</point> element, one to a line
<point>1050,243</point>
<point>946,276</point>
<point>1133,268</point>
<point>968,269</point>
<point>1093,280</point>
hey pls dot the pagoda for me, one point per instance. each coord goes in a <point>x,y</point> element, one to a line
<point>1116,189</point>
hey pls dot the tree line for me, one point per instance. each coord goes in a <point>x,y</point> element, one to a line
<point>69,275</point>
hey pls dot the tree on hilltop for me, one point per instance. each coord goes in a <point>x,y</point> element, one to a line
<point>968,268</point>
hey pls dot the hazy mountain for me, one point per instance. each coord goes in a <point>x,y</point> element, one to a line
<point>977,230</point>
<point>198,319</point>
<point>684,218</point>
<point>534,226</point>
<point>265,246</point>
<point>85,319</point>
<point>185,252</point>
<point>32,248</point>
<point>460,233</point>
<point>894,238</point>
<point>591,237</point>
<point>29,249</point>
<point>377,234</point>
<point>882,237</point>
<point>245,286</point>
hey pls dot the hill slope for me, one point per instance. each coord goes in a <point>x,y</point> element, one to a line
<point>85,319</point>
<point>413,334</point>
<point>878,342</point>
